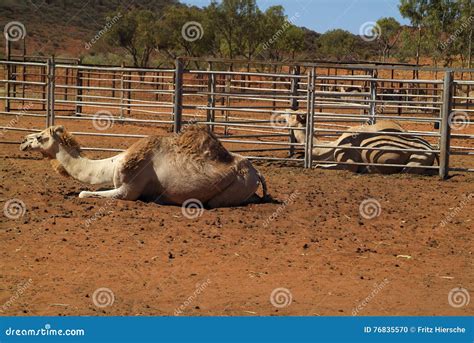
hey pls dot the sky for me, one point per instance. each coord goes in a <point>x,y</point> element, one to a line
<point>324,15</point>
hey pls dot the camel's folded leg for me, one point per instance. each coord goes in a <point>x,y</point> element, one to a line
<point>328,166</point>
<point>417,161</point>
<point>124,192</point>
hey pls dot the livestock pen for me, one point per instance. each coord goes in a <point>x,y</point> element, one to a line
<point>244,103</point>
<point>317,239</point>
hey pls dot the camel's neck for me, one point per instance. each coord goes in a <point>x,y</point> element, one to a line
<point>325,153</point>
<point>321,154</point>
<point>85,170</point>
<point>300,135</point>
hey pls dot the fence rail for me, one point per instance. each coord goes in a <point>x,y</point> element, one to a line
<point>244,106</point>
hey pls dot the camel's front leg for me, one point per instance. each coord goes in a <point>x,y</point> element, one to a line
<point>328,166</point>
<point>124,192</point>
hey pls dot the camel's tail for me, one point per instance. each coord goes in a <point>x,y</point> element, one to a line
<point>264,186</point>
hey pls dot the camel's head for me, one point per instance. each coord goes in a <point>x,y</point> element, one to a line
<point>295,118</point>
<point>47,141</point>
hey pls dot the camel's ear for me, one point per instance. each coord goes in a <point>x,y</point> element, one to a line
<point>58,130</point>
<point>301,118</point>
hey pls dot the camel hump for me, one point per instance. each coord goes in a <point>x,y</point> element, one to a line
<point>141,151</point>
<point>199,142</point>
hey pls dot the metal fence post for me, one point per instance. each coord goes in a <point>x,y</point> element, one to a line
<point>308,154</point>
<point>122,89</point>
<point>445,129</point>
<point>294,105</point>
<point>211,98</point>
<point>8,75</point>
<point>294,88</point>
<point>373,98</point>
<point>51,74</point>
<point>178,94</point>
<point>78,91</point>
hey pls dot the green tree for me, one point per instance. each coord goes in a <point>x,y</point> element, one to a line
<point>390,30</point>
<point>137,32</point>
<point>293,41</point>
<point>338,44</point>
<point>186,30</point>
<point>416,11</point>
<point>236,24</point>
<point>462,38</point>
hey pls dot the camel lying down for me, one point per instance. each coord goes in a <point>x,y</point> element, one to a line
<point>168,170</point>
<point>372,137</point>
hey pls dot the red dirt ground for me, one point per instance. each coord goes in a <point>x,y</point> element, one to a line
<point>228,261</point>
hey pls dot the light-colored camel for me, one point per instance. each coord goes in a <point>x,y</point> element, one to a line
<point>167,170</point>
<point>370,136</point>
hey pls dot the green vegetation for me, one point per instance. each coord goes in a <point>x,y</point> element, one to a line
<point>152,32</point>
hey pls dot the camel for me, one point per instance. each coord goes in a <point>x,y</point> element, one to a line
<point>370,136</point>
<point>167,170</point>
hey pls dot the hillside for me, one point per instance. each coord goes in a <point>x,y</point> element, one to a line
<point>63,27</point>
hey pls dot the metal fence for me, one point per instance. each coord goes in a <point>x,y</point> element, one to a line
<point>243,102</point>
